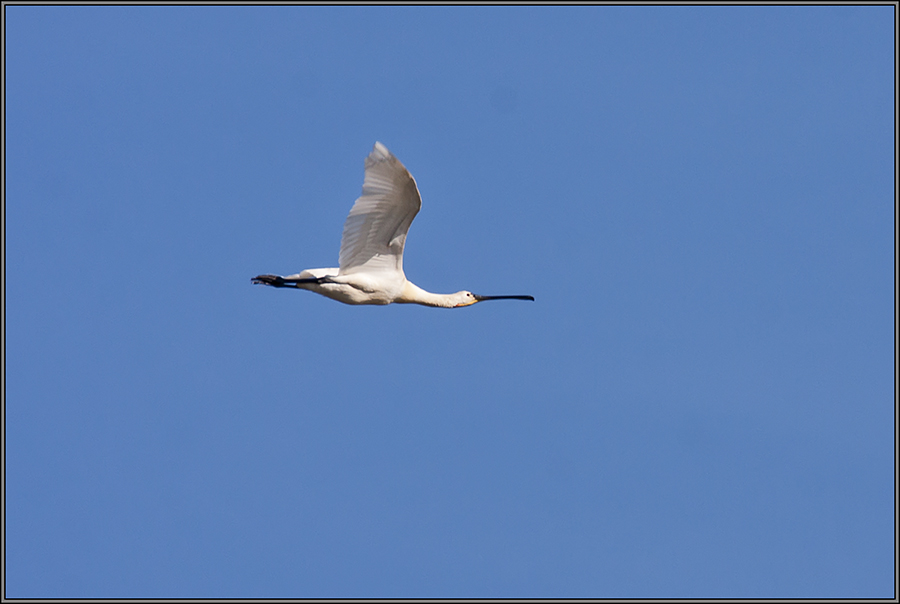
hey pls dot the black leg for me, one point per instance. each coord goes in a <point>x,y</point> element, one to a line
<point>276,281</point>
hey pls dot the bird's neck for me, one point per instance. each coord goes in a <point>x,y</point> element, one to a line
<point>413,294</point>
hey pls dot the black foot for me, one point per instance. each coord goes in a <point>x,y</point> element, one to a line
<point>273,280</point>
<point>276,281</point>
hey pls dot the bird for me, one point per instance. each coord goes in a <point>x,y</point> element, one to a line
<point>371,256</point>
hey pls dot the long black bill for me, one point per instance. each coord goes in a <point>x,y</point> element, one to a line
<point>482,298</point>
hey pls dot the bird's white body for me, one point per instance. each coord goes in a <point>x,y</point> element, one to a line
<point>375,288</point>
<point>371,258</point>
<point>355,288</point>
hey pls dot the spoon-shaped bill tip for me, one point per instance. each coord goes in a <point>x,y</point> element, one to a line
<point>481,298</point>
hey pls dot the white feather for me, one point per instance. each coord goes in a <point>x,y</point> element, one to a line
<point>375,230</point>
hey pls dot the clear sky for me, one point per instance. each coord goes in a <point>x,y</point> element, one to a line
<point>699,403</point>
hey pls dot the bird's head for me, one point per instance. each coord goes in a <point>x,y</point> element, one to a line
<point>465,298</point>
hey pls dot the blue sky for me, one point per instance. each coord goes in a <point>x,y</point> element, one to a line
<point>699,403</point>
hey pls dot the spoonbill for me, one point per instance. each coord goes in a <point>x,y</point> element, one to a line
<point>371,257</point>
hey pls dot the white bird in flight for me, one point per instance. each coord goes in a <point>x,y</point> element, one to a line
<point>371,258</point>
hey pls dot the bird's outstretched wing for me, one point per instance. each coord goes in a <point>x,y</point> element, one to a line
<point>375,230</point>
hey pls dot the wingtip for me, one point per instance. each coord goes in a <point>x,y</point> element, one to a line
<point>379,151</point>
